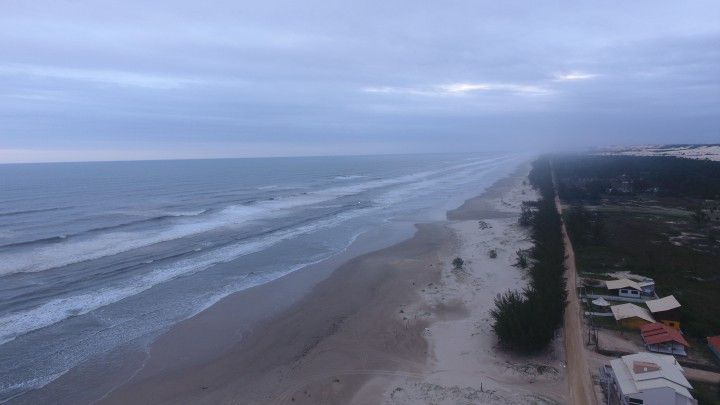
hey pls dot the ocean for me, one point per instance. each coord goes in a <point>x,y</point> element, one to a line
<point>94,256</point>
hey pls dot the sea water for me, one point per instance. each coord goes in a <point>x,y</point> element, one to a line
<point>96,255</point>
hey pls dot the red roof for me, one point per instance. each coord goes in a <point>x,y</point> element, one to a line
<point>714,341</point>
<point>654,333</point>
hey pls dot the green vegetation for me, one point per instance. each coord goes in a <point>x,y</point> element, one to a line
<point>587,227</point>
<point>525,215</point>
<point>522,259</point>
<point>706,393</point>
<point>526,321</point>
<point>654,228</point>
<point>587,177</point>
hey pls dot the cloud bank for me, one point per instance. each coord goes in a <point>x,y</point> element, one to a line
<point>126,79</point>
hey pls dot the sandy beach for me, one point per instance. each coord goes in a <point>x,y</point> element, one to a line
<point>398,325</point>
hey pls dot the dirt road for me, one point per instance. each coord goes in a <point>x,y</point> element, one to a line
<point>702,375</point>
<point>579,382</point>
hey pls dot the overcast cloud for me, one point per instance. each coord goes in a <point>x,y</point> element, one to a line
<point>88,80</point>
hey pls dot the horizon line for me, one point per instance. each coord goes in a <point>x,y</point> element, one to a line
<point>254,157</point>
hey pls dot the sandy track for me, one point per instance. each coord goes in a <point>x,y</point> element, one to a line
<point>580,384</point>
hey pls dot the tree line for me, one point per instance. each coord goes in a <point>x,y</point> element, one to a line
<point>526,320</point>
<point>588,177</point>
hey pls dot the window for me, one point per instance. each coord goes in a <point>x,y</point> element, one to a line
<point>635,401</point>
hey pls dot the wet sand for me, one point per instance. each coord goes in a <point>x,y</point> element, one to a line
<point>342,330</point>
<point>396,325</point>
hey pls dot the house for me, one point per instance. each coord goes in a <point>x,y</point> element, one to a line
<point>646,378</point>
<point>662,338</point>
<point>624,288</point>
<point>648,287</point>
<point>666,310</point>
<point>714,345</point>
<point>631,316</point>
<point>628,288</point>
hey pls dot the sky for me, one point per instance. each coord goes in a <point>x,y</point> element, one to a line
<point>117,80</point>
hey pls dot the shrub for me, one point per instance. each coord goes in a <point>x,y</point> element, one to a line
<point>526,215</point>
<point>458,263</point>
<point>527,320</point>
<point>522,259</point>
<point>492,253</point>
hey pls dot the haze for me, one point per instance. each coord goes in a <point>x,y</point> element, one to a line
<point>107,80</point>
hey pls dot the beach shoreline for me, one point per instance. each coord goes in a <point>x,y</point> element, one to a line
<point>355,330</point>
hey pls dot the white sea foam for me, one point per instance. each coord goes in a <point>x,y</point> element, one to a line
<point>249,281</point>
<point>71,251</point>
<point>33,383</point>
<point>56,310</point>
<point>349,177</point>
<point>87,248</point>
<point>397,189</point>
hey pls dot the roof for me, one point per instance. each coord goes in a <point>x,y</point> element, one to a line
<point>601,302</point>
<point>655,333</point>
<point>625,311</point>
<point>646,371</point>
<point>714,341</point>
<point>622,283</point>
<point>663,304</point>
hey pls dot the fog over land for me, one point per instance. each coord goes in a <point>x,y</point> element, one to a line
<point>183,79</point>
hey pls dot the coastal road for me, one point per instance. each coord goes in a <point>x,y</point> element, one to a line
<point>580,384</point>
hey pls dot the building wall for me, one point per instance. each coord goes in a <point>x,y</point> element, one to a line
<point>633,323</point>
<point>673,324</point>
<point>629,292</point>
<point>655,396</point>
<point>668,348</point>
<point>661,396</point>
<point>670,318</point>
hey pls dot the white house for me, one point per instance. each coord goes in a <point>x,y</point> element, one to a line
<point>646,378</point>
<point>625,288</point>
